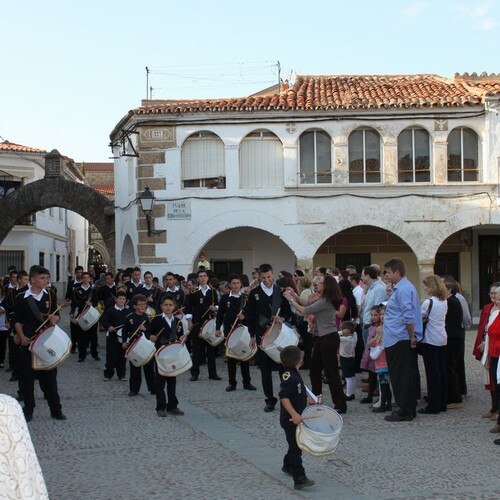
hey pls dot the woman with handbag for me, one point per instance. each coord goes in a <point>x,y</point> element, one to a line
<point>433,345</point>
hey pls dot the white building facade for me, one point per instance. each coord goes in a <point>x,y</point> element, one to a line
<point>55,237</point>
<point>333,171</point>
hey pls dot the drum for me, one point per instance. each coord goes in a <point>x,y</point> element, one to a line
<point>150,311</point>
<point>173,359</point>
<point>276,338</point>
<point>184,323</point>
<point>207,333</point>
<point>238,344</point>
<point>319,433</point>
<point>140,351</point>
<point>50,348</point>
<point>88,318</point>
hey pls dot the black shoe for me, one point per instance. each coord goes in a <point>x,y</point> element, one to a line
<point>496,441</point>
<point>396,417</point>
<point>366,401</point>
<point>426,411</point>
<point>9,369</point>
<point>106,379</point>
<point>27,415</point>
<point>215,377</point>
<point>269,408</point>
<point>230,388</point>
<point>381,409</point>
<point>193,379</point>
<point>132,393</point>
<point>340,410</point>
<point>303,482</point>
<point>73,351</point>
<point>350,398</point>
<point>59,415</point>
<point>13,378</point>
<point>97,358</point>
<point>153,393</point>
<point>249,387</point>
<point>287,470</point>
<point>81,360</point>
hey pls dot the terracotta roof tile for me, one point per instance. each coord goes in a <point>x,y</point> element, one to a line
<point>106,189</point>
<point>10,146</point>
<point>97,167</point>
<point>339,92</point>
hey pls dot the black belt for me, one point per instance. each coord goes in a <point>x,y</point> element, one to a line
<point>318,337</point>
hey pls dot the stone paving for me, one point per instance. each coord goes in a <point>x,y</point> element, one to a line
<point>226,447</point>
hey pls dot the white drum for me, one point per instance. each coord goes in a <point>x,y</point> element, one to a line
<point>88,318</point>
<point>238,344</point>
<point>184,323</point>
<point>140,351</point>
<point>150,311</point>
<point>319,433</point>
<point>276,338</point>
<point>50,348</point>
<point>173,359</point>
<point>207,333</point>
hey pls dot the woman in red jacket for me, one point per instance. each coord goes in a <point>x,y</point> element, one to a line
<point>488,314</point>
<point>494,352</point>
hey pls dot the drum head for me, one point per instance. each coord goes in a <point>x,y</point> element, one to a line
<point>326,420</point>
<point>270,335</point>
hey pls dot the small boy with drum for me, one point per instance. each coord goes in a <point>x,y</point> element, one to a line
<point>166,329</point>
<point>293,400</point>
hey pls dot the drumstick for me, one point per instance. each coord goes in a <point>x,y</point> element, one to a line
<point>158,334</point>
<point>135,333</point>
<point>59,307</point>
<point>274,320</point>
<point>308,417</point>
<point>236,320</point>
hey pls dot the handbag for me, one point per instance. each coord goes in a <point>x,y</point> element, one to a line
<point>425,318</point>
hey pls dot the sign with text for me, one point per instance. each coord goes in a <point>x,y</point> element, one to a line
<point>178,210</point>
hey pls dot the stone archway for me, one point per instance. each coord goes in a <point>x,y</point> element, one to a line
<point>55,191</point>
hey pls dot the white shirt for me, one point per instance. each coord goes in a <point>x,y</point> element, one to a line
<point>347,346</point>
<point>267,291</point>
<point>37,297</point>
<point>236,296</point>
<point>168,320</point>
<point>435,331</point>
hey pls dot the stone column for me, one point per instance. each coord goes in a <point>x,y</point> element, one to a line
<point>390,161</point>
<point>425,267</point>
<point>341,161</point>
<point>440,157</point>
<point>305,265</point>
<point>232,170</point>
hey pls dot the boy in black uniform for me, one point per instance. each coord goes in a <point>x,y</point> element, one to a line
<point>149,291</point>
<point>293,400</point>
<point>71,299</point>
<point>263,305</point>
<point>200,306</point>
<point>138,322</point>
<point>230,307</point>
<point>112,321</point>
<point>107,290</point>
<point>166,329</point>
<point>33,307</point>
<point>85,295</point>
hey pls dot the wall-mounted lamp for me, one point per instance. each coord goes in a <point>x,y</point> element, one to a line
<point>466,237</point>
<point>147,199</point>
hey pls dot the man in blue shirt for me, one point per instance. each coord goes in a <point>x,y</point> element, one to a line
<point>402,331</point>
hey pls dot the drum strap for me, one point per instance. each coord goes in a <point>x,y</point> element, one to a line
<point>34,309</point>
<point>276,300</point>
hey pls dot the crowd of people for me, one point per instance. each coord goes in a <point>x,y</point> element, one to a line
<point>372,322</point>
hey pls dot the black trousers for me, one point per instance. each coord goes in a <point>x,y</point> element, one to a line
<point>454,360</point>
<point>136,377</point>
<point>4,335</point>
<point>401,360</point>
<point>14,356</point>
<point>165,403</point>
<point>493,376</point>
<point>436,376</point>
<point>84,339</point>
<point>307,343</point>
<point>231,370</point>
<point>73,331</point>
<point>324,359</point>
<point>267,366</point>
<point>201,350</point>
<point>48,384</point>
<point>293,458</point>
<point>115,357</point>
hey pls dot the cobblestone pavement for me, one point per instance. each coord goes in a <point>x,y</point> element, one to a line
<point>225,446</point>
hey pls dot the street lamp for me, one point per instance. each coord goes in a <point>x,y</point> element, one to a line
<point>147,199</point>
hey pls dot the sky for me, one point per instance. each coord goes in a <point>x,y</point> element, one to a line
<point>71,70</point>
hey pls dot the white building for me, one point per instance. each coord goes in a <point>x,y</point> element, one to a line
<point>55,237</point>
<point>332,171</point>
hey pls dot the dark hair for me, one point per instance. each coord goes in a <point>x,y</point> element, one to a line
<point>290,356</point>
<point>12,272</point>
<point>396,265</point>
<point>331,291</point>
<point>451,284</point>
<point>287,282</point>
<point>346,289</point>
<point>169,273</point>
<point>244,280</point>
<point>322,270</point>
<point>110,274</point>
<point>201,271</point>
<point>355,277</point>
<point>265,268</point>
<point>348,325</point>
<point>298,273</point>
<point>168,297</point>
<point>37,270</point>
<point>22,273</point>
<point>285,273</point>
<point>78,268</point>
<point>148,272</point>
<point>370,271</point>
<point>135,269</point>
<point>120,294</point>
<point>233,276</point>
<point>344,274</point>
<point>138,298</point>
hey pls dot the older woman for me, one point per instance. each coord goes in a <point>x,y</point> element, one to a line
<point>488,315</point>
<point>433,345</point>
<point>326,337</point>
